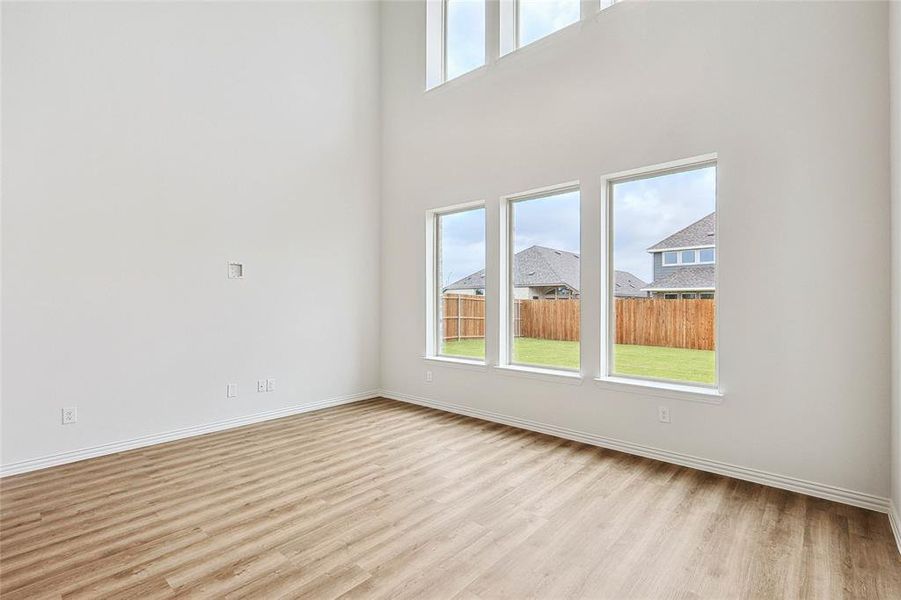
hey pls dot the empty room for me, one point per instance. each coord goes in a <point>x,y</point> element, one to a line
<point>450,299</point>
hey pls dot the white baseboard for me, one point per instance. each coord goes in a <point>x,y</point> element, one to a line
<point>149,440</point>
<point>894,518</point>
<point>775,480</point>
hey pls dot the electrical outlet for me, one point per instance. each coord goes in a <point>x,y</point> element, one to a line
<point>428,377</point>
<point>663,414</point>
<point>231,390</point>
<point>70,415</point>
<point>261,385</point>
<point>270,385</point>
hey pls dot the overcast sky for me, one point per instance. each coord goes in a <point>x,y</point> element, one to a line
<point>645,212</point>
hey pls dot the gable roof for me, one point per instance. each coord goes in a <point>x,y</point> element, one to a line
<point>700,233</point>
<point>538,266</point>
<point>699,277</point>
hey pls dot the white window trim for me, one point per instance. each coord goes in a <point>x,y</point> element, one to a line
<point>456,362</point>
<point>661,389</point>
<point>433,294</point>
<point>608,285</point>
<point>542,373</point>
<point>436,44</point>
<point>507,297</point>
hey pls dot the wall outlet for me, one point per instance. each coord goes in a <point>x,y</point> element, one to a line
<point>261,385</point>
<point>231,390</point>
<point>428,377</point>
<point>70,415</point>
<point>663,414</point>
<point>270,385</point>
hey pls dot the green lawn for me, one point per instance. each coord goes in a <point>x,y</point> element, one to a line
<point>644,361</point>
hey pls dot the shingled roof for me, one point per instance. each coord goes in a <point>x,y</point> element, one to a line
<point>686,278</point>
<point>538,266</point>
<point>700,233</point>
<point>628,285</point>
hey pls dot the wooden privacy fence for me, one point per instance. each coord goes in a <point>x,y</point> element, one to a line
<point>464,316</point>
<point>670,323</point>
<point>547,319</point>
<point>640,321</point>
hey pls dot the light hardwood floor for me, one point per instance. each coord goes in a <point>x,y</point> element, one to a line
<point>383,499</point>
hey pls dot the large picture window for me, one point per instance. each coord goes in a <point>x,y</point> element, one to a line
<point>459,280</point>
<point>544,280</point>
<point>662,227</point>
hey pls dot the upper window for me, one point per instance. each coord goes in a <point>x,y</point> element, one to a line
<point>538,18</point>
<point>666,332</point>
<point>459,279</point>
<point>464,36</point>
<point>543,282</point>
<point>455,39</point>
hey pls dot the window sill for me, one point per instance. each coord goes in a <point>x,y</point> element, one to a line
<point>461,363</point>
<point>661,389</point>
<point>569,377</point>
<point>450,83</point>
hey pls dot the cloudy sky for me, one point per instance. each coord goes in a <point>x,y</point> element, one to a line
<point>649,210</point>
<point>645,212</point>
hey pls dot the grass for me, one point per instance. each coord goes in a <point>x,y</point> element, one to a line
<point>680,364</point>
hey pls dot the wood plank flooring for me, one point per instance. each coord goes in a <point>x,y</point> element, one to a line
<point>382,499</point>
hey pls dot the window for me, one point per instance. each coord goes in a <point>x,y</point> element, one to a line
<point>537,18</point>
<point>543,262</point>
<point>688,257</point>
<point>458,303</point>
<point>455,39</point>
<point>662,229</point>
<point>464,36</point>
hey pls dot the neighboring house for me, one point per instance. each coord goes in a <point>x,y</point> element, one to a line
<point>684,262</point>
<point>542,273</point>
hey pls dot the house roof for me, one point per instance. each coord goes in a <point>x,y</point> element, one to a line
<point>700,233</point>
<point>538,266</point>
<point>686,278</point>
<point>533,267</point>
<point>628,285</point>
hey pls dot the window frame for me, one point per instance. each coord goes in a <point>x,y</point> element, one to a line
<point>678,252</point>
<point>608,301</point>
<point>433,282</point>
<point>508,296</point>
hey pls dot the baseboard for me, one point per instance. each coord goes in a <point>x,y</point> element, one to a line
<point>894,518</point>
<point>149,440</point>
<point>775,480</point>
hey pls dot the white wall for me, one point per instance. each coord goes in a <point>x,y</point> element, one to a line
<point>895,64</point>
<point>145,145</point>
<point>793,97</point>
